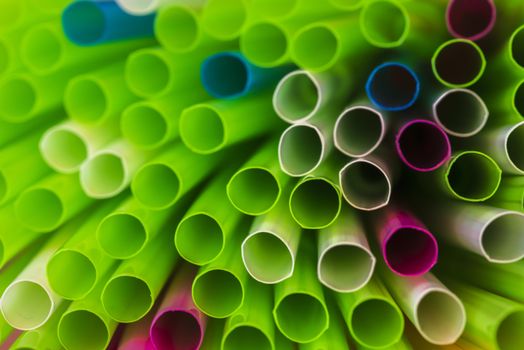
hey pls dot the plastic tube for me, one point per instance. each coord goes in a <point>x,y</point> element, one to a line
<point>384,23</point>
<point>458,63</point>
<point>136,335</point>
<point>460,112</point>
<point>334,338</point>
<point>225,19</point>
<point>288,10</point>
<point>472,176</point>
<point>177,324</point>
<point>366,184</point>
<point>393,86</point>
<point>516,47</point>
<point>347,5</point>
<point>345,261</point>
<point>213,335</point>
<point>49,203</point>
<point>132,290</point>
<point>13,15</point>
<point>88,23</point>
<point>159,183</point>
<point>409,249</point>
<point>470,19</point>
<point>212,126</point>
<point>510,194</point>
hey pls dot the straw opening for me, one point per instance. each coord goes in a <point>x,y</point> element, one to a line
<point>147,74</point>
<point>144,126</point>
<point>83,330</point>
<point>384,23</point>
<point>218,293</point>
<point>63,149</point>
<point>458,63</point>
<point>359,131</point>
<point>126,298</point>
<point>71,274</point>
<point>225,75</point>
<point>517,46</point>
<point>297,97</point>
<point>246,337</point>
<point>84,22</point>
<point>315,47</point>
<point>176,329</point>
<point>86,101</point>
<point>502,240</point>
<point>225,19</point>
<point>264,44</point>
<point>194,230</point>
<point>509,332</point>
<point>18,98</point>
<point>156,186</point>
<point>41,49</point>
<point>202,129</point>
<point>39,209</point>
<point>300,150</point>
<point>177,28</point>
<point>103,175</point>
<point>118,228</point>
<point>470,19</point>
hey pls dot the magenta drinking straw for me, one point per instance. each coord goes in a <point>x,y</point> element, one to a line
<point>470,19</point>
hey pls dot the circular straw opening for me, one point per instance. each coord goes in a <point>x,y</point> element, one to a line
<point>509,332</point>
<point>18,98</point>
<point>218,293</point>
<point>376,323</point>
<point>144,126</point>
<point>84,22</point>
<point>393,87</point>
<point>26,305</point>
<point>103,176</point>
<point>71,274</point>
<point>176,329</point>
<point>315,203</point>
<point>192,231</point>
<point>458,63</point>
<point>345,267</point>
<point>517,46</point>
<point>267,257</point>
<point>85,101</point>
<point>410,251</point>
<point>301,317</point>
<point>202,129</point>
<point>147,73</point>
<point>118,228</point>
<point>423,145</point>
<point>41,49</point>
<point>39,209</point>
<point>518,99</point>
<point>63,150</point>
<point>514,146</point>
<point>297,97</point>
<point>384,23</point>
<point>253,191</point>
<point>359,131</point>
<point>126,298</point>
<point>502,240</point>
<point>301,149</point>
<point>470,19</point>
<point>83,330</point>
<point>441,317</point>
<point>225,75</point>
<point>365,185</point>
<point>224,19</point>
<point>473,176</point>
<point>316,47</point>
<point>461,112</point>
<point>177,28</point>
<point>265,44</point>
<point>247,337</point>
<point>156,186</point>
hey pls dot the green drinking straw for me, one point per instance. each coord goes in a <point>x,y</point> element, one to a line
<point>212,126</point>
<point>300,311</point>
<point>510,194</point>
<point>49,203</point>
<point>132,290</point>
<point>348,5</point>
<point>291,9</point>
<point>226,19</point>
<point>159,183</point>
<point>373,318</point>
<point>9,54</point>
<point>13,14</point>
<point>205,221</point>
<point>385,23</point>
<point>334,338</point>
<point>251,326</point>
<point>213,335</point>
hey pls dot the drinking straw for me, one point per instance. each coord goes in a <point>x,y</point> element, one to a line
<point>422,145</point>
<point>472,176</point>
<point>13,14</point>
<point>347,5</point>
<point>408,247</point>
<point>219,287</point>
<point>251,326</point>
<point>75,268</point>
<point>345,261</point>
<point>458,63</point>
<point>225,19</point>
<point>384,23</point>
<point>516,47</point>
<point>10,132</point>
<point>50,202</point>
<point>471,20</point>
<point>9,53</point>
<point>366,183</point>
<point>460,112</point>
<point>110,170</point>
<point>212,126</point>
<point>256,187</point>
<point>270,249</point>
<point>300,311</point>
<point>133,288</point>
<point>88,23</point>
<point>160,182</point>
<point>393,86</point>
<point>292,9</point>
<point>230,75</point>
<point>177,324</point>
<point>213,335</point>
<point>66,146</point>
<point>205,221</point>
<point>510,194</point>
<point>334,338</point>
<point>436,312</point>
<point>135,336</point>
<point>372,316</point>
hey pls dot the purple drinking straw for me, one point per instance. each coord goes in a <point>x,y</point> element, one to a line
<point>470,19</point>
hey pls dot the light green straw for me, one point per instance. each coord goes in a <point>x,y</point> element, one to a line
<point>334,338</point>
<point>251,327</point>
<point>219,287</point>
<point>384,23</point>
<point>161,182</point>
<point>12,15</point>
<point>133,288</point>
<point>49,203</point>
<point>373,318</point>
<point>291,9</point>
<point>510,194</point>
<point>226,19</point>
<point>10,132</point>
<point>205,221</point>
<point>213,334</point>
<point>9,53</point>
<point>300,311</point>
<point>209,127</point>
<point>256,187</point>
<point>348,5</point>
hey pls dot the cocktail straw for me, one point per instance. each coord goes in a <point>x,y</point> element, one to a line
<point>470,19</point>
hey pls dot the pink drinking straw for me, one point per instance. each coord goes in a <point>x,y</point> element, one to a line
<point>408,248</point>
<point>178,324</point>
<point>470,19</point>
<point>136,335</point>
<point>423,145</point>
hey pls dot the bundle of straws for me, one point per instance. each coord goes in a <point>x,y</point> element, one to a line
<point>262,174</point>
